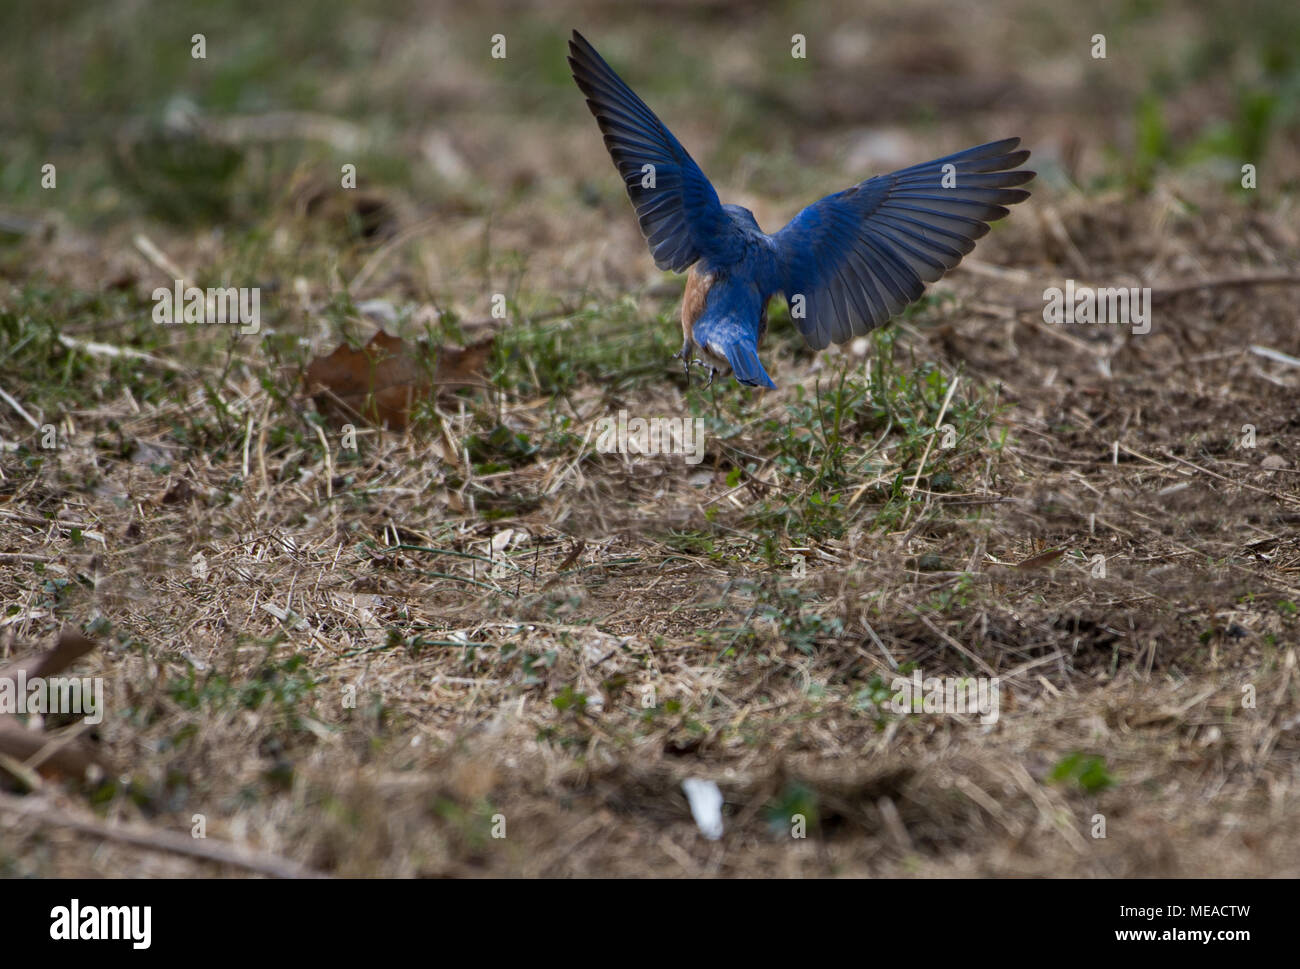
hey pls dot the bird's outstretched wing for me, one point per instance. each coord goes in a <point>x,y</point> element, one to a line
<point>860,256</point>
<point>681,217</point>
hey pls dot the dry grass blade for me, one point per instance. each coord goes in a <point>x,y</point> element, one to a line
<point>153,839</point>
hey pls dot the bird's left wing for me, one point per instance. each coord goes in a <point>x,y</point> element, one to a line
<point>860,256</point>
<point>680,215</point>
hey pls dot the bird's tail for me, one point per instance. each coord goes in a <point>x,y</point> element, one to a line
<point>746,366</point>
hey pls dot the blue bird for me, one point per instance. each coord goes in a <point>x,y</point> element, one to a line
<point>846,264</point>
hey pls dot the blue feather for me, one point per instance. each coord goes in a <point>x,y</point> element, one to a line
<point>846,263</point>
<point>680,214</point>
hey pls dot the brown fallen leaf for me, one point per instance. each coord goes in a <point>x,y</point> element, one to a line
<point>52,757</point>
<point>384,380</point>
<point>70,647</point>
<point>1042,560</point>
<point>47,754</point>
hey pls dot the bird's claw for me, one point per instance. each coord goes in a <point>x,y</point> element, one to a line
<point>687,363</point>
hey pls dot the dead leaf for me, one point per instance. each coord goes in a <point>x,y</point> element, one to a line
<point>71,646</point>
<point>384,380</point>
<point>70,755</point>
<point>1042,560</point>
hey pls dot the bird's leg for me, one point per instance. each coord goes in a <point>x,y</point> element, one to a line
<point>684,354</point>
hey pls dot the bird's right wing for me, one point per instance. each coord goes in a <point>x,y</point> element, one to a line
<point>860,256</point>
<point>679,211</point>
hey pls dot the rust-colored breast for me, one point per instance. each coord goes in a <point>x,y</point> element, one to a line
<point>697,291</point>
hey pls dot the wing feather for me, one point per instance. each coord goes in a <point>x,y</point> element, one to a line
<point>858,257</point>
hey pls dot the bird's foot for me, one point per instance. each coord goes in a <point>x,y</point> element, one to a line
<point>684,356</point>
